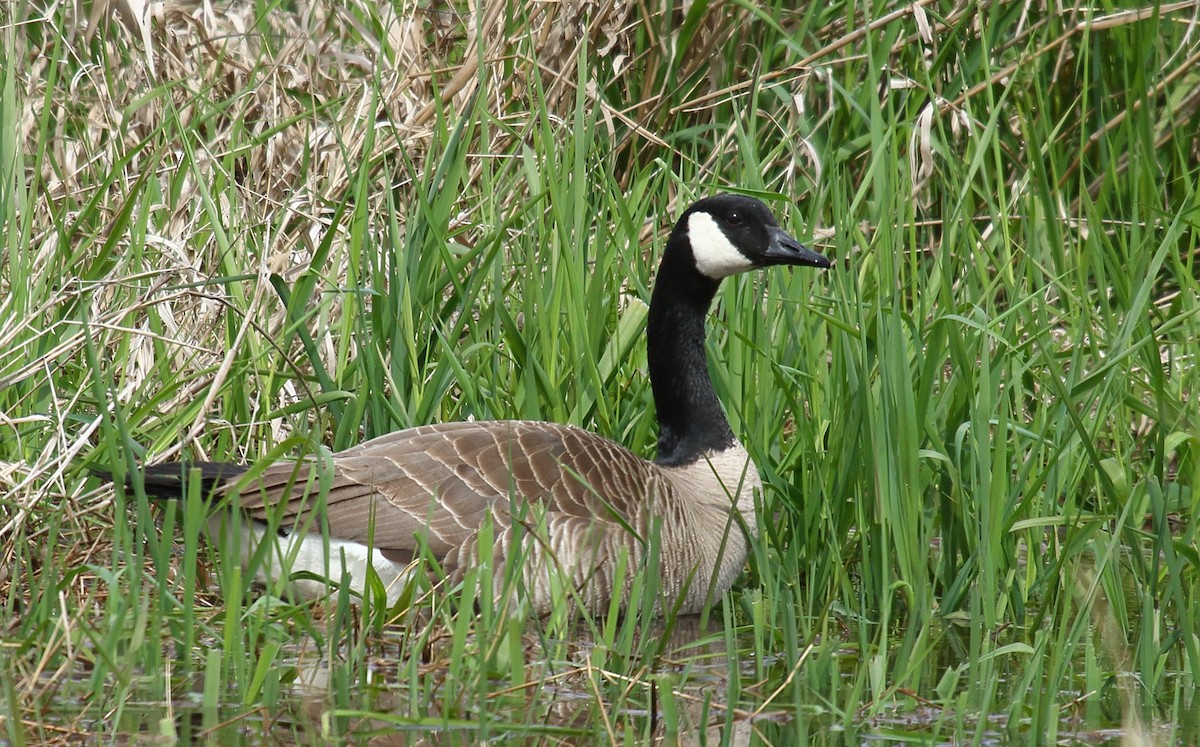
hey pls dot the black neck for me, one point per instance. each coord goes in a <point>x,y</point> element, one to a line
<point>690,417</point>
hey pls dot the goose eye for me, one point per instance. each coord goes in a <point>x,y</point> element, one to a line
<point>734,219</point>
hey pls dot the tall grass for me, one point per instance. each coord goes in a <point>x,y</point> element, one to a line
<point>308,226</point>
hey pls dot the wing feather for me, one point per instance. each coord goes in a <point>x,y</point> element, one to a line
<point>440,481</point>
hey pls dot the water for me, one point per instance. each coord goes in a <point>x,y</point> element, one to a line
<point>694,685</point>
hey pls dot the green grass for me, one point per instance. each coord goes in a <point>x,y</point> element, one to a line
<point>978,433</point>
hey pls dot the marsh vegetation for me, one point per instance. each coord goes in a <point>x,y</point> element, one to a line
<point>252,230</point>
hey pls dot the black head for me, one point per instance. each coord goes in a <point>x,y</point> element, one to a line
<point>728,234</point>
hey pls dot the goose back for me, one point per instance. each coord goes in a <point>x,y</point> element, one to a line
<point>573,501</point>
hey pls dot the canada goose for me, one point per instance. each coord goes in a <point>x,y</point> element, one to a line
<point>588,500</point>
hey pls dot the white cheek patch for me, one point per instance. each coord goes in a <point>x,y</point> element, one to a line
<point>715,255</point>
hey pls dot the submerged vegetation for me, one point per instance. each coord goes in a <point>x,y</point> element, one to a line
<point>247,231</point>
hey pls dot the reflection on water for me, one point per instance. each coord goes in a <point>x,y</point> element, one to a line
<point>686,683</point>
<point>690,669</point>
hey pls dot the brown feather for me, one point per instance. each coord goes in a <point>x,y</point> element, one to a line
<point>437,483</point>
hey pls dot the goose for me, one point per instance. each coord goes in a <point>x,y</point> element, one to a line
<point>574,507</point>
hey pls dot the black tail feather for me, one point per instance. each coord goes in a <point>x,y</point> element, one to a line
<point>168,480</point>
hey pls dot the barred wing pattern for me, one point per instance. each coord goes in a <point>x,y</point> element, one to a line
<point>587,499</point>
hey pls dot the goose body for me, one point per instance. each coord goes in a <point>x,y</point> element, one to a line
<point>573,507</point>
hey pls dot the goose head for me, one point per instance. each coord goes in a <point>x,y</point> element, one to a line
<point>728,234</point>
<point>717,237</point>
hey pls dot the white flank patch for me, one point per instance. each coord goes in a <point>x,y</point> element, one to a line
<point>293,554</point>
<point>715,255</point>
